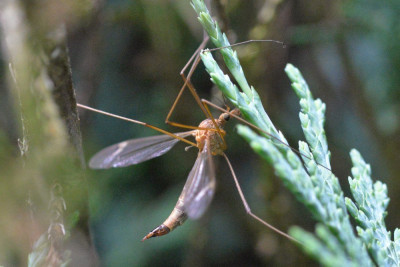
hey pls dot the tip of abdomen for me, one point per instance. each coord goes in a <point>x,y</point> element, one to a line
<point>159,231</point>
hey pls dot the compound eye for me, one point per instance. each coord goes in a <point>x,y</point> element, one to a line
<point>227,116</point>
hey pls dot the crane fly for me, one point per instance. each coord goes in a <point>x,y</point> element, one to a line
<point>200,185</point>
<point>209,136</point>
<point>199,188</point>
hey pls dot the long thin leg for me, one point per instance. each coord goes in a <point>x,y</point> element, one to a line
<point>137,122</point>
<point>247,42</point>
<point>247,207</point>
<point>206,102</point>
<point>195,58</point>
<point>187,83</point>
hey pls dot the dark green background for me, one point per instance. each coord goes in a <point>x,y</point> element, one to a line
<point>126,57</point>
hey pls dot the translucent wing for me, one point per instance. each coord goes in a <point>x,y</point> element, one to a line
<point>200,185</point>
<point>134,151</point>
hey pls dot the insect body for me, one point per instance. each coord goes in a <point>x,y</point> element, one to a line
<point>200,185</point>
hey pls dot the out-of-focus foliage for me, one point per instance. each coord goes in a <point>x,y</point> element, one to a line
<point>126,59</point>
<point>42,180</point>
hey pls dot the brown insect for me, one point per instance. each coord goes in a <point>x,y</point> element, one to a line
<point>200,184</point>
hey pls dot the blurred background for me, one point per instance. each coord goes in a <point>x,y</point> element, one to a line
<point>126,57</point>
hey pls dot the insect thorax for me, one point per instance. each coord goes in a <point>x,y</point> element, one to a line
<point>217,145</point>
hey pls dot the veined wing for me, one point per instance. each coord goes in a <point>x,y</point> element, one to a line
<point>200,185</point>
<point>134,151</point>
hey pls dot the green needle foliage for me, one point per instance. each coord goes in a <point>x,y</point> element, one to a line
<point>313,183</point>
<point>369,210</point>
